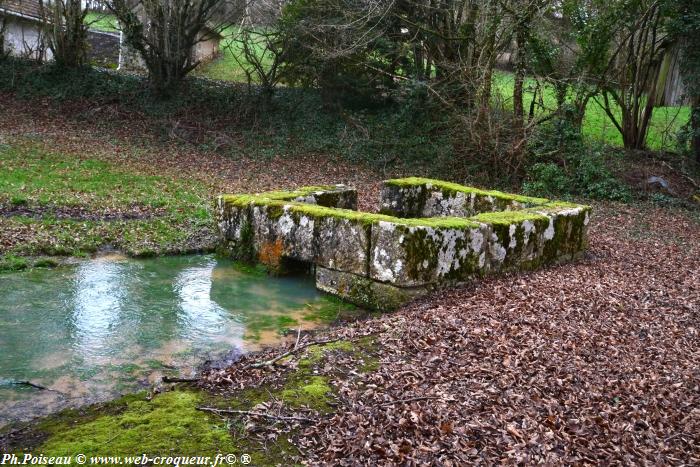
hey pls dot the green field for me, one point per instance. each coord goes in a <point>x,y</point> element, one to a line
<point>102,21</point>
<point>665,122</point>
<point>226,67</point>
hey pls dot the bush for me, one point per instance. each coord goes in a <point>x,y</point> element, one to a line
<point>562,164</point>
<point>547,178</point>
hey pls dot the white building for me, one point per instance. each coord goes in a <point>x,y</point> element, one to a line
<point>21,29</point>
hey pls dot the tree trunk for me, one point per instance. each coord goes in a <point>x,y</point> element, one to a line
<point>520,38</point>
<point>695,127</point>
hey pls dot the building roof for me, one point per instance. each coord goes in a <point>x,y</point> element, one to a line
<point>30,9</point>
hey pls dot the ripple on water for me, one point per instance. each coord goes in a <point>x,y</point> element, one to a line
<point>113,324</point>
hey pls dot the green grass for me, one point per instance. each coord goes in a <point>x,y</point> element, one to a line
<point>167,425</point>
<point>226,67</point>
<point>102,21</point>
<point>664,125</point>
<point>46,182</point>
<point>665,122</point>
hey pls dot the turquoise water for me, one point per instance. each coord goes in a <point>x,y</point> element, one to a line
<point>112,325</point>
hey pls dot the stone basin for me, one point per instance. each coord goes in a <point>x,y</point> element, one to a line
<point>428,234</point>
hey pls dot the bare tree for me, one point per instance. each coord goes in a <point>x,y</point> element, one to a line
<point>66,31</point>
<point>3,52</point>
<point>259,47</point>
<point>633,70</point>
<point>164,33</point>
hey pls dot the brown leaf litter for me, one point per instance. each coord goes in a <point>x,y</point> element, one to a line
<point>586,363</point>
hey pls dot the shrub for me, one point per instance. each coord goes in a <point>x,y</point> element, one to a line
<point>562,164</point>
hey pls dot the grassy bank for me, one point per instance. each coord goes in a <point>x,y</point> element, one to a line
<point>102,21</point>
<point>406,137</point>
<point>54,203</point>
<point>664,126</point>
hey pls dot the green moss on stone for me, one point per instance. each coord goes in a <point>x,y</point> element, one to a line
<point>507,217</point>
<point>303,191</point>
<point>455,187</point>
<point>245,250</point>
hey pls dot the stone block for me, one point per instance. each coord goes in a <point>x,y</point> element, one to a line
<point>363,291</point>
<point>381,260</point>
<point>422,197</point>
<point>410,255</point>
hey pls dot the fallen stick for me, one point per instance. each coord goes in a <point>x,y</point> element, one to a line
<point>31,385</point>
<point>295,349</point>
<point>412,399</point>
<point>253,414</point>
<point>296,344</point>
<point>168,379</point>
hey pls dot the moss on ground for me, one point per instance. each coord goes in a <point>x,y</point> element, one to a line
<point>100,203</point>
<point>308,391</point>
<point>315,353</point>
<point>170,424</point>
<point>12,263</point>
<point>9,263</point>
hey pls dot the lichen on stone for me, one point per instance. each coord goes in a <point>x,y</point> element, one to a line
<point>430,233</point>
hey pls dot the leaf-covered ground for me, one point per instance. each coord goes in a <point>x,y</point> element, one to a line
<point>592,362</point>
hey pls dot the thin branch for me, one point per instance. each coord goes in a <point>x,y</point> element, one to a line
<point>288,353</point>
<point>168,379</point>
<point>253,414</point>
<point>31,385</point>
<point>411,399</point>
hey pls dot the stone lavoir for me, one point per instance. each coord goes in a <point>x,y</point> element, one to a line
<point>428,234</point>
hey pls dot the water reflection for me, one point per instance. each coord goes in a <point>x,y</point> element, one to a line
<point>99,294</point>
<point>108,326</point>
<point>200,315</point>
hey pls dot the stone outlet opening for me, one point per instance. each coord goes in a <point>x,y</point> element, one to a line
<point>428,234</point>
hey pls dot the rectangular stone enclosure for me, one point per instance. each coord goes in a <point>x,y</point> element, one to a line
<point>428,234</point>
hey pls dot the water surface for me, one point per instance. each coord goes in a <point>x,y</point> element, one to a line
<point>112,325</point>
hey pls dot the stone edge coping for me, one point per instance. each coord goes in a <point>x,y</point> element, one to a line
<point>430,184</point>
<point>284,200</point>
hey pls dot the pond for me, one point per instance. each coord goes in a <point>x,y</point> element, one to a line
<point>111,325</point>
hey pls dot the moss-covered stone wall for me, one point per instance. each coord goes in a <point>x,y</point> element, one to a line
<point>430,233</point>
<point>425,197</point>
